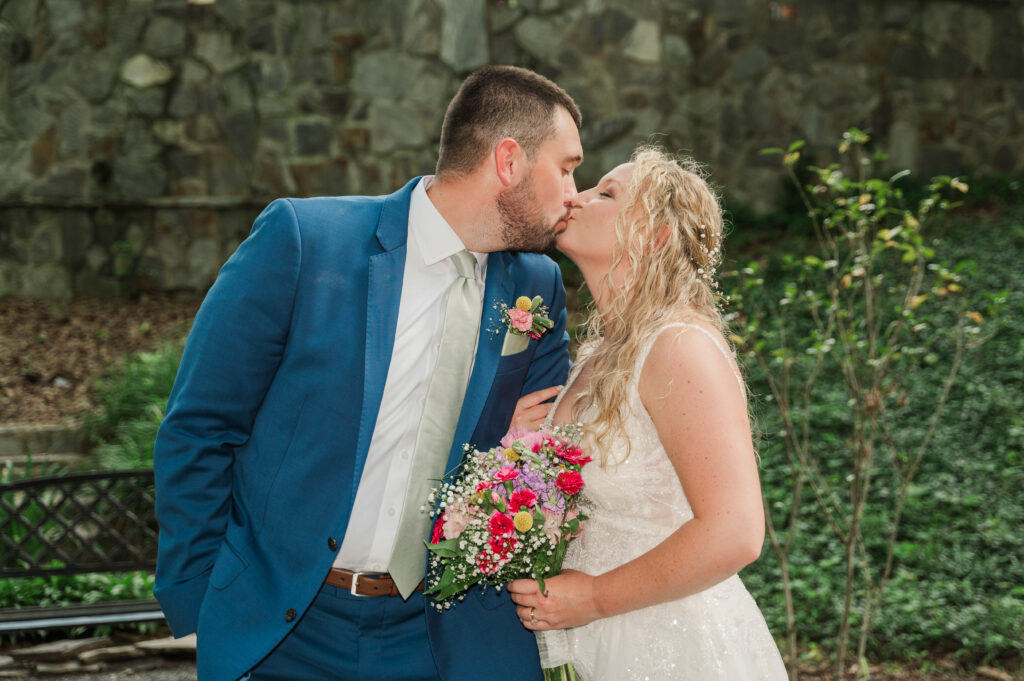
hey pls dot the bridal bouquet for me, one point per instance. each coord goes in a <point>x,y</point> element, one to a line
<point>508,513</point>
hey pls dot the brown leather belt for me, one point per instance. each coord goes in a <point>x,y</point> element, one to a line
<point>364,583</point>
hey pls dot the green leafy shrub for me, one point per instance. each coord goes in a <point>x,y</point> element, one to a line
<point>892,454</point>
<point>133,397</point>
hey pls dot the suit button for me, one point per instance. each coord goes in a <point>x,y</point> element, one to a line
<point>290,615</point>
<point>332,543</point>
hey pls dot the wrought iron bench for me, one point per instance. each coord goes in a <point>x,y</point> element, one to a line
<point>77,524</point>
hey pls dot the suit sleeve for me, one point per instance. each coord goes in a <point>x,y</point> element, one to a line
<point>550,365</point>
<point>230,359</point>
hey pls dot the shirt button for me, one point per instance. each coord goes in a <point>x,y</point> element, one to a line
<point>332,543</point>
<point>290,615</point>
<point>405,455</point>
<point>391,511</point>
<point>423,400</point>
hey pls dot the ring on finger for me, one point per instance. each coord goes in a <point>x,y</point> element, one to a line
<point>533,619</point>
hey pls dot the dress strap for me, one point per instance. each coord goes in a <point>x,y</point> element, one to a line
<point>718,344</point>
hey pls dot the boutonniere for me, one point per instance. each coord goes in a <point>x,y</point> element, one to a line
<point>528,317</point>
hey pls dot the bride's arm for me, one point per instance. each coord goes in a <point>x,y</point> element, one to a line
<point>700,413</point>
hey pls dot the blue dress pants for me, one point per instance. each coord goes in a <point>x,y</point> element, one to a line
<point>353,638</point>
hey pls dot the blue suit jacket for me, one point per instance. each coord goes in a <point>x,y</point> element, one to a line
<point>267,429</point>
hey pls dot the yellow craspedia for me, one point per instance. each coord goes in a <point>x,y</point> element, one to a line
<point>477,498</point>
<point>524,303</point>
<point>510,455</point>
<point>523,521</point>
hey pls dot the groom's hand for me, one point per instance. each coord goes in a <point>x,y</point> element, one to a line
<point>569,601</point>
<point>532,408</point>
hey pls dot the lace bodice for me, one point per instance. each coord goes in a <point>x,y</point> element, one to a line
<point>632,507</point>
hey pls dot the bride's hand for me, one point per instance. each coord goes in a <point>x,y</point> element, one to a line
<point>568,603</point>
<point>531,409</point>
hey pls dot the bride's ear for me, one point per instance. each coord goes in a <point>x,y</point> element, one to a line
<point>508,161</point>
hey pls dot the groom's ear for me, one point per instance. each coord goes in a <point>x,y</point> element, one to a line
<point>509,161</point>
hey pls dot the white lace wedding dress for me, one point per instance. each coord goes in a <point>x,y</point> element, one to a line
<point>717,634</point>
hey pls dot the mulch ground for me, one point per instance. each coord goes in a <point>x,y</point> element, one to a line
<point>53,351</point>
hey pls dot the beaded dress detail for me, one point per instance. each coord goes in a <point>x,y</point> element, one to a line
<point>717,634</point>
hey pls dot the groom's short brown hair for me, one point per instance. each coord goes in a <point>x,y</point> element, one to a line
<point>494,103</point>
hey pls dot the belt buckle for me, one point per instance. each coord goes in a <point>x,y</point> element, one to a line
<point>355,584</point>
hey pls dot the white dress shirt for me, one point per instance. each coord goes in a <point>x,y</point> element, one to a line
<point>428,275</point>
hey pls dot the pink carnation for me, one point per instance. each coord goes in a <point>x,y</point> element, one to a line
<point>500,524</point>
<point>524,497</point>
<point>506,473</point>
<point>522,320</point>
<point>574,455</point>
<point>569,482</point>
<point>502,546</point>
<point>455,521</point>
<point>438,532</point>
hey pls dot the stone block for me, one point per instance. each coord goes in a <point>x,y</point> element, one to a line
<point>147,102</point>
<point>643,44</point>
<point>394,126</point>
<point>58,651</point>
<point>540,37</point>
<point>143,71</point>
<point>750,64</point>
<point>464,34</point>
<point>262,36</point>
<point>111,654</point>
<point>65,15</point>
<point>139,179</point>
<point>67,182</point>
<point>312,138</point>
<point>165,37</point>
<point>76,236</point>
<point>95,75</point>
<point>170,646</point>
<point>678,54</point>
<point>218,51</point>
<point>241,132</point>
<point>385,74</point>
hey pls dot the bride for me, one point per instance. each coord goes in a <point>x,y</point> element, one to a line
<point>650,589</point>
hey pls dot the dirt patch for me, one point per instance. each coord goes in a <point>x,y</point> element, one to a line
<point>52,352</point>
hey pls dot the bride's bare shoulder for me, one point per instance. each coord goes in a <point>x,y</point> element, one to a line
<point>690,350</point>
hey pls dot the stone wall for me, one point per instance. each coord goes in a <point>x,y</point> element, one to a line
<point>139,138</point>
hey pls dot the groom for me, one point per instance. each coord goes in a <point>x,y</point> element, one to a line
<point>341,359</point>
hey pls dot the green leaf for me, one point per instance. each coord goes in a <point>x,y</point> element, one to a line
<point>798,144</point>
<point>447,548</point>
<point>768,151</point>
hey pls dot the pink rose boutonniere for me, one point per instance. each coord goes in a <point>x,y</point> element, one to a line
<point>528,317</point>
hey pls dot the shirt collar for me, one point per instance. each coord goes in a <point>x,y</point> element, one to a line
<point>436,239</point>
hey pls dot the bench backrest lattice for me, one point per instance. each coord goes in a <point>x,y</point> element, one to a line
<point>76,524</point>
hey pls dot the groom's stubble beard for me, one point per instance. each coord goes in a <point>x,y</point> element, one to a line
<point>523,228</point>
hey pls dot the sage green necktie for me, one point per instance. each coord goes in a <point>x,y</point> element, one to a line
<point>436,429</point>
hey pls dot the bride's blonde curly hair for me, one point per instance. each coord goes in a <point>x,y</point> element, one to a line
<point>670,233</point>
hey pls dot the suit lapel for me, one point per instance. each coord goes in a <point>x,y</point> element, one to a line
<point>384,292</point>
<point>498,288</point>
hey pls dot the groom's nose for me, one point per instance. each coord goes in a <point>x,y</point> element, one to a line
<point>571,195</point>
